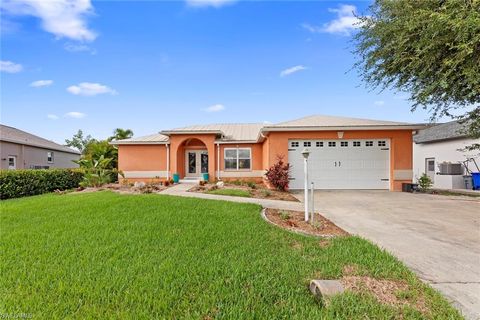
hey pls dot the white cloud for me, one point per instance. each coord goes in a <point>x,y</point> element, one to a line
<point>75,114</point>
<point>90,89</point>
<point>63,18</point>
<point>52,116</point>
<point>291,70</point>
<point>215,108</point>
<point>344,24</point>
<point>41,83</point>
<point>209,3</point>
<point>10,67</point>
<point>75,47</point>
<point>379,103</point>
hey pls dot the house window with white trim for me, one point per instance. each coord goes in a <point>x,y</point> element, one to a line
<point>238,159</point>
<point>50,157</point>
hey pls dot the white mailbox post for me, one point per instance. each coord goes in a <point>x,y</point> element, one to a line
<point>305,154</point>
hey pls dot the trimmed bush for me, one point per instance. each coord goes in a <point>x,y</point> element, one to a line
<point>29,182</point>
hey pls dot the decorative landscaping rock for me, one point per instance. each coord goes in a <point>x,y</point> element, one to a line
<point>139,184</point>
<point>220,184</point>
<point>323,289</point>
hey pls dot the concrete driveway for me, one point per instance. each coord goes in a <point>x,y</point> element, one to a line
<point>436,236</point>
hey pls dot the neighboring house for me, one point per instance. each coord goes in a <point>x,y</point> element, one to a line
<point>22,150</point>
<point>346,153</point>
<point>438,152</point>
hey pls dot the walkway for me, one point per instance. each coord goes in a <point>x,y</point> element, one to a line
<point>181,190</point>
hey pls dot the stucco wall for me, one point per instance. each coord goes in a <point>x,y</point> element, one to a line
<point>143,161</point>
<point>443,151</point>
<point>28,156</point>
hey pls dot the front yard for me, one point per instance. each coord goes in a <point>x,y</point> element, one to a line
<point>107,255</point>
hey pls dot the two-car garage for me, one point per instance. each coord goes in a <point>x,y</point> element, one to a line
<point>341,164</point>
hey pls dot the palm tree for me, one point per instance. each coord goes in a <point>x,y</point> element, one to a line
<point>120,134</point>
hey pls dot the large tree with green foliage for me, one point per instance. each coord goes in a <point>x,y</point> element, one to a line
<point>78,141</point>
<point>428,48</point>
<point>120,134</point>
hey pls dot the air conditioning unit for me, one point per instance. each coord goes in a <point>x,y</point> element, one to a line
<point>447,168</point>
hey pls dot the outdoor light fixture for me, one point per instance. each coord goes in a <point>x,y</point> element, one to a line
<point>305,154</point>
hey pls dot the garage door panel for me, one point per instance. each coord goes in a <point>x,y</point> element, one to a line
<point>342,164</point>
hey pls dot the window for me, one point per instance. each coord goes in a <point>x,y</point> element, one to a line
<point>431,165</point>
<point>238,159</point>
<point>332,144</point>
<point>295,144</point>
<point>344,144</point>
<point>369,143</point>
<point>319,144</point>
<point>307,144</point>
<point>50,157</point>
<point>382,143</point>
<point>356,143</point>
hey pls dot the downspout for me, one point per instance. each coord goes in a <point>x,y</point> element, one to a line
<point>218,161</point>
<point>168,161</point>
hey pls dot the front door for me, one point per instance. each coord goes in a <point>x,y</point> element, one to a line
<point>12,162</point>
<point>196,162</point>
<point>430,168</point>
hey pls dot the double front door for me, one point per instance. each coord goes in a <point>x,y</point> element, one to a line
<point>196,162</point>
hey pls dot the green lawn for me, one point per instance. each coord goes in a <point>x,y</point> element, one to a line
<point>231,192</point>
<point>105,255</point>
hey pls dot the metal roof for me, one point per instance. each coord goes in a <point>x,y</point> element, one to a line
<point>155,138</point>
<point>251,132</point>
<point>439,132</point>
<point>14,135</point>
<point>332,121</point>
<point>229,131</point>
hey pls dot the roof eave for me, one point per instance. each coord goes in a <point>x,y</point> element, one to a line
<point>170,132</point>
<point>137,142</point>
<point>346,128</point>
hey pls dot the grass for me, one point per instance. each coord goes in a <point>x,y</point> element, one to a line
<point>105,255</point>
<point>231,192</point>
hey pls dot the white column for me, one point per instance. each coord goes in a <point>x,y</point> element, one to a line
<point>168,161</point>
<point>218,161</point>
<point>305,169</point>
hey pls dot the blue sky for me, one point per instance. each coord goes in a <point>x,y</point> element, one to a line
<point>156,65</point>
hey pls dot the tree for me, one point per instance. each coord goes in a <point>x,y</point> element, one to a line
<point>79,141</point>
<point>428,48</point>
<point>278,175</point>
<point>97,149</point>
<point>120,134</point>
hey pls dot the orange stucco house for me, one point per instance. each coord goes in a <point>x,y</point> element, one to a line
<point>345,153</point>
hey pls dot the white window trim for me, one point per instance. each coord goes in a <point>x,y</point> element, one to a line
<point>238,162</point>
<point>53,157</point>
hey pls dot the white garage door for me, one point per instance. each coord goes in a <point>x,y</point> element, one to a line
<point>341,164</point>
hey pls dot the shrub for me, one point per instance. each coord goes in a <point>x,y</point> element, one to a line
<point>252,184</point>
<point>166,183</point>
<point>29,182</point>
<point>284,215</point>
<point>266,193</point>
<point>424,182</point>
<point>278,174</point>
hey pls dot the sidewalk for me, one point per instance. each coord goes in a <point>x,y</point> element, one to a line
<point>180,190</point>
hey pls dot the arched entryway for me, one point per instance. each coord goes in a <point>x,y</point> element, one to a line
<point>192,158</point>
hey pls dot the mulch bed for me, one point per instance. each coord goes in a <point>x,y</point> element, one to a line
<point>259,192</point>
<point>294,221</point>
<point>125,188</point>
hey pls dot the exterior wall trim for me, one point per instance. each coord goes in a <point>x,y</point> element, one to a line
<point>145,174</point>
<point>242,174</point>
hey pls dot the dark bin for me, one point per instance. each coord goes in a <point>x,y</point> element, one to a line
<point>409,187</point>
<point>476,180</point>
